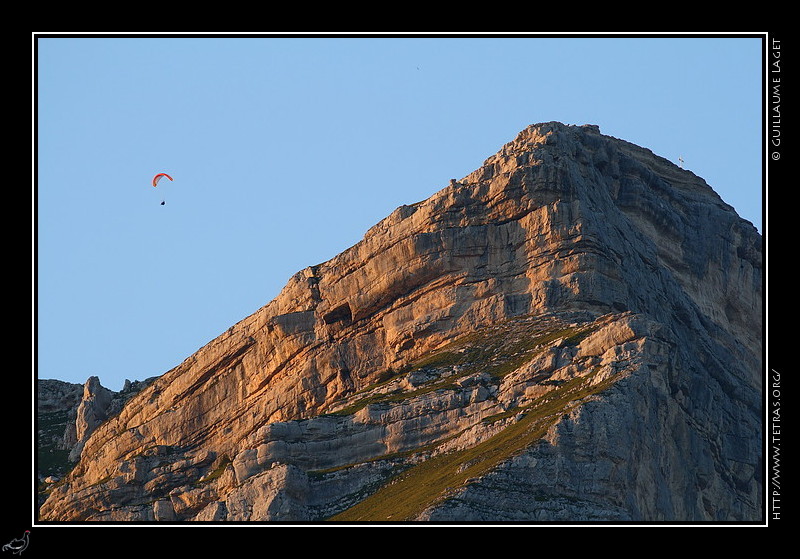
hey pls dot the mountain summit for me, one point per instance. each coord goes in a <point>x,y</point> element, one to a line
<point>572,332</point>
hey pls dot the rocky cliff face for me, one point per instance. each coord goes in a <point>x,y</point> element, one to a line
<point>570,332</point>
<point>67,413</point>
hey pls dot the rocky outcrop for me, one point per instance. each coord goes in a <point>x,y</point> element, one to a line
<point>91,412</point>
<point>67,413</point>
<point>571,332</point>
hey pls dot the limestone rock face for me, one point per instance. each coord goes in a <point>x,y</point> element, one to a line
<point>56,395</point>
<point>67,414</point>
<point>570,332</point>
<point>92,410</point>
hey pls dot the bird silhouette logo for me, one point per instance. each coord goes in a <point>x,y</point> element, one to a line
<point>18,545</point>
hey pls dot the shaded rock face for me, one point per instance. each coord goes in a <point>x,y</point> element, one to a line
<point>91,412</point>
<point>578,292</point>
<point>56,404</point>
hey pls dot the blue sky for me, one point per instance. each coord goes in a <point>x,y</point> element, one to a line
<point>285,151</point>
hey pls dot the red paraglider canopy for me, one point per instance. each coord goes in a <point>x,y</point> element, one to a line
<point>158,178</point>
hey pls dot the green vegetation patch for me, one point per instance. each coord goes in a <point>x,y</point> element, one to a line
<point>422,485</point>
<point>224,462</point>
<point>51,458</point>
<point>498,351</point>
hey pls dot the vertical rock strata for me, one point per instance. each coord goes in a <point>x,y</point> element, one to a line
<point>570,332</point>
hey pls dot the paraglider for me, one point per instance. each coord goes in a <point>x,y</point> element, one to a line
<point>157,178</point>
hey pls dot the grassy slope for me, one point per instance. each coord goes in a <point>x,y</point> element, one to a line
<point>421,486</point>
<point>52,460</point>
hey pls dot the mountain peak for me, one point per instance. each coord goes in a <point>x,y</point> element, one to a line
<point>570,281</point>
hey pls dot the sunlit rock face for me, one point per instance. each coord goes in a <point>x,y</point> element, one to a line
<point>576,291</point>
